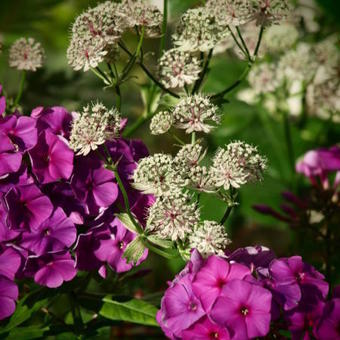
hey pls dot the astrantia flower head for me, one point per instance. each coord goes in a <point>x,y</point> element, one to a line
<point>209,238</point>
<point>178,68</point>
<point>198,30</point>
<point>196,113</point>
<point>173,217</point>
<point>189,155</point>
<point>91,128</point>
<point>93,35</point>
<point>263,78</point>
<point>236,165</point>
<point>199,178</point>
<point>26,54</point>
<point>161,123</point>
<point>279,38</point>
<point>140,13</point>
<point>156,175</point>
<point>268,12</point>
<point>230,12</point>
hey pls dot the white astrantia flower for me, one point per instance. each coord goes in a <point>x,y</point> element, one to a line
<point>209,238</point>
<point>189,155</point>
<point>327,51</point>
<point>268,12</point>
<point>198,30</point>
<point>263,78</point>
<point>157,175</point>
<point>297,64</point>
<point>200,179</point>
<point>92,127</point>
<point>161,122</point>
<point>140,13</point>
<point>231,12</point>
<point>323,99</point>
<point>196,113</point>
<point>279,38</point>
<point>94,33</point>
<point>237,164</point>
<point>26,54</point>
<point>178,68</point>
<point>173,217</point>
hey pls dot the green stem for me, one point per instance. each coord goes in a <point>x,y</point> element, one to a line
<point>77,319</point>
<point>139,122</point>
<point>100,74</point>
<point>148,73</point>
<point>199,81</point>
<point>21,88</point>
<point>226,215</point>
<point>193,138</point>
<point>237,42</point>
<point>243,43</point>
<point>176,138</point>
<point>164,27</point>
<point>126,199</point>
<point>160,252</point>
<point>289,142</point>
<point>257,48</point>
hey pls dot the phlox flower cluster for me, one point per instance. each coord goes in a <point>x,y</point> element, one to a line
<point>246,295</point>
<point>57,209</point>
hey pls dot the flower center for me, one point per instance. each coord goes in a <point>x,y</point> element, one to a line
<point>192,306</point>
<point>47,231</point>
<point>244,311</point>
<point>121,245</point>
<point>214,335</point>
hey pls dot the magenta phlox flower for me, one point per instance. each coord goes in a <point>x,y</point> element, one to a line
<point>180,308</point>
<point>55,119</point>
<point>51,269</point>
<point>18,178</point>
<point>243,308</point>
<point>329,326</point>
<point>26,207</point>
<point>8,295</point>
<point>20,130</point>
<point>10,161</point>
<point>213,276</point>
<point>52,159</point>
<point>205,329</point>
<point>56,233</point>
<point>93,184</point>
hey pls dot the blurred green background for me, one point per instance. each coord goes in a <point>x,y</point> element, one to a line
<point>48,21</point>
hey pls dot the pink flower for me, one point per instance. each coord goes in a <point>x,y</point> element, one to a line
<point>243,308</point>
<point>213,276</point>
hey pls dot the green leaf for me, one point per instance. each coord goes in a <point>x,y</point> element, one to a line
<point>160,242</point>
<point>136,311</point>
<point>28,333</point>
<point>134,251</point>
<point>128,224</point>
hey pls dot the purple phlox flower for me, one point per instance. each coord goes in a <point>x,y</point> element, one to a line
<point>56,233</point>
<point>56,119</point>
<point>85,247</point>
<point>253,257</point>
<point>318,163</point>
<point>51,269</point>
<point>8,295</point>
<point>18,178</point>
<point>329,326</point>
<point>180,308</point>
<point>2,102</point>
<point>20,130</point>
<point>112,247</point>
<point>26,207</point>
<point>336,292</point>
<point>303,319</point>
<point>6,234</point>
<point>93,184</point>
<point>141,207</point>
<point>10,262</point>
<point>62,195</point>
<point>52,159</point>
<point>10,161</point>
<point>243,308</point>
<point>213,276</point>
<point>205,329</point>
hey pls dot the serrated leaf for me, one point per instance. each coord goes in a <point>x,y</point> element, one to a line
<point>160,242</point>
<point>136,311</point>
<point>128,224</point>
<point>134,251</point>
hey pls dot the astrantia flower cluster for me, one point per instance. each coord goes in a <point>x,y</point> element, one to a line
<point>54,204</point>
<point>26,55</point>
<point>178,68</point>
<point>93,126</point>
<point>193,114</point>
<point>242,297</point>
